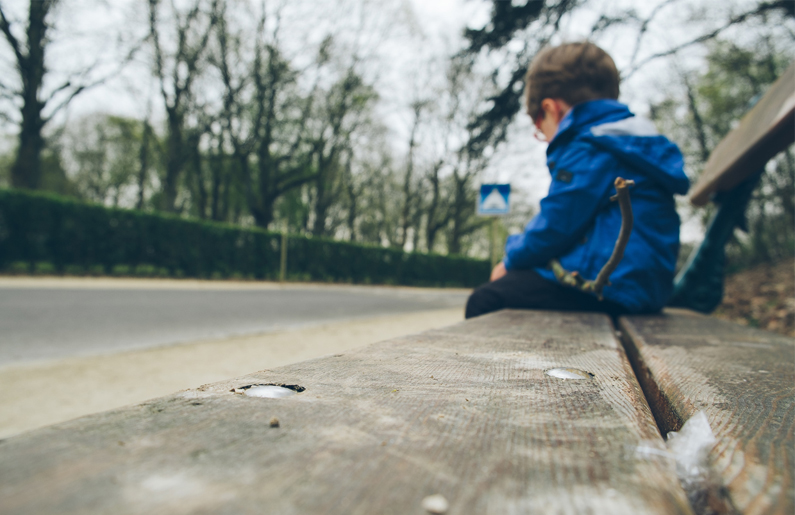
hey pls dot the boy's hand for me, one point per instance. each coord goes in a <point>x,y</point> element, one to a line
<point>499,271</point>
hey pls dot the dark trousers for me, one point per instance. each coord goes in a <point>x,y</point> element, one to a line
<point>526,289</point>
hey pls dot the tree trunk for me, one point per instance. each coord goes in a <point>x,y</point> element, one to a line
<point>698,121</point>
<point>353,195</point>
<point>217,170</point>
<point>26,170</point>
<point>262,207</point>
<point>144,162</point>
<point>434,222</point>
<point>198,176</point>
<point>223,209</point>
<point>416,223</point>
<point>352,213</point>
<point>263,214</point>
<point>322,200</point>
<point>175,159</point>
<point>787,192</point>
<point>405,216</point>
<point>458,216</point>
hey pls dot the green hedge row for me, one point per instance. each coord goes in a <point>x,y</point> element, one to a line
<point>65,236</point>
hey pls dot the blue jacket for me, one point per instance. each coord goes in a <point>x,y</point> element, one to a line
<point>596,142</point>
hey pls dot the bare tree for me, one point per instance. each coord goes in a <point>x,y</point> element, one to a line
<point>409,198</point>
<point>176,72</point>
<point>264,115</point>
<point>372,209</point>
<point>102,154</point>
<point>448,207</point>
<point>344,105</point>
<point>463,221</point>
<point>144,153</point>
<point>31,69</point>
<point>437,211</point>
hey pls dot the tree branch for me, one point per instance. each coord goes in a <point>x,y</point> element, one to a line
<point>644,26</point>
<point>68,99</point>
<point>155,35</point>
<point>84,87</point>
<point>7,92</point>
<point>760,9</point>
<point>602,279</point>
<point>5,26</point>
<point>62,87</point>
<point>293,182</point>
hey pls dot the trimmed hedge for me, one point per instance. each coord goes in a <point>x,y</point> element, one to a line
<point>55,234</point>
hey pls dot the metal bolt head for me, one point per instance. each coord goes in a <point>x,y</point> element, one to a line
<point>568,373</point>
<point>269,391</point>
<point>435,504</point>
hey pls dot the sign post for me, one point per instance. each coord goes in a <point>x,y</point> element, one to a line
<point>493,252</point>
<point>283,260</point>
<point>494,201</point>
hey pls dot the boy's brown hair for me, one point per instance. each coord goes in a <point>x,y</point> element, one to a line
<point>573,72</point>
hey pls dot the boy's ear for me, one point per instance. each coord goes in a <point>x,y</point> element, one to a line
<point>555,108</point>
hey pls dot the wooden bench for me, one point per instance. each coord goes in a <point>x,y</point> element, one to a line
<point>467,412</point>
<point>472,412</point>
<point>514,412</point>
<point>743,379</point>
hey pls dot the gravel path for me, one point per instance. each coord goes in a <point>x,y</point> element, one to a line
<point>44,393</point>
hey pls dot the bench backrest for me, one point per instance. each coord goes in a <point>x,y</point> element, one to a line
<point>767,129</point>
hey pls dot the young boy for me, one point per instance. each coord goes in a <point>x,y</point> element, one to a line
<point>571,93</point>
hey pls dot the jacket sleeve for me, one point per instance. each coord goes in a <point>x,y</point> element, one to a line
<point>582,183</point>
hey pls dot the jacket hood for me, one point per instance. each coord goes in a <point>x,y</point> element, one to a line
<point>611,126</point>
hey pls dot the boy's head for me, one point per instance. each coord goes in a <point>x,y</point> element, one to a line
<point>572,72</point>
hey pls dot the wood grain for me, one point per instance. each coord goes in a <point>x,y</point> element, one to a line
<point>466,412</point>
<point>744,381</point>
<point>767,129</point>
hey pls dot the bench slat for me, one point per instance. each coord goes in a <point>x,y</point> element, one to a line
<point>744,381</point>
<point>767,129</point>
<point>466,412</point>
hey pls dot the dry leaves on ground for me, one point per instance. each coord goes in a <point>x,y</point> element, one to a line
<point>763,296</point>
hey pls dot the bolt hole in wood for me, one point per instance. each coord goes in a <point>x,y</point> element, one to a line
<point>568,373</point>
<point>269,391</point>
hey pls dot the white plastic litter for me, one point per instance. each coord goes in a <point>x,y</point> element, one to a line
<point>690,448</point>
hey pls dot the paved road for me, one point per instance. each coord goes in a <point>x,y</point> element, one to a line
<point>45,323</point>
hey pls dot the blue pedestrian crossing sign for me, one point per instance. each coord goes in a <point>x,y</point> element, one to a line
<point>494,199</point>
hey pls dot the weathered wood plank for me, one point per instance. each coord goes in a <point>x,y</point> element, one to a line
<point>466,412</point>
<point>767,129</point>
<point>744,381</point>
